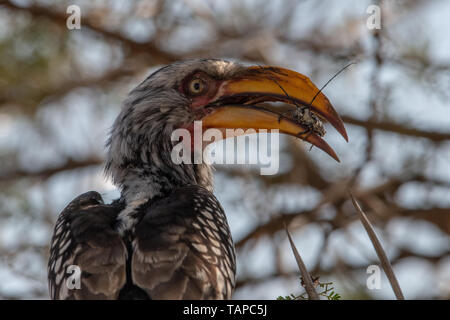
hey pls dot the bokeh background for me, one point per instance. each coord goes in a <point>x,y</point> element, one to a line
<point>61,89</point>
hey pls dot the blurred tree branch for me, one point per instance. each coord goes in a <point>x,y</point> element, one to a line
<point>259,34</point>
<point>394,127</point>
<point>157,55</point>
<point>47,173</point>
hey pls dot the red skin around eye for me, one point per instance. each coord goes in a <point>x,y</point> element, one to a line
<point>208,96</point>
<point>205,98</point>
<point>200,101</point>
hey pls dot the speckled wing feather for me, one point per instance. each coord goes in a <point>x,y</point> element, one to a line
<point>85,237</point>
<point>183,248</point>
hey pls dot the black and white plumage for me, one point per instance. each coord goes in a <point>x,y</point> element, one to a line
<point>197,260</point>
<point>167,237</point>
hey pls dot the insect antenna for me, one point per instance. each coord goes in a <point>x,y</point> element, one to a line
<point>281,115</point>
<point>331,79</point>
<point>309,126</point>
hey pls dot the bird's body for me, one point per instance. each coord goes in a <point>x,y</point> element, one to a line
<point>197,260</point>
<point>167,236</point>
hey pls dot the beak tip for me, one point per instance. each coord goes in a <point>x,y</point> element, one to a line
<point>335,157</point>
<point>344,134</point>
<point>321,144</point>
<point>341,129</point>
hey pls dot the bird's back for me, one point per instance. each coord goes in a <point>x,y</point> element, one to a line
<point>179,248</point>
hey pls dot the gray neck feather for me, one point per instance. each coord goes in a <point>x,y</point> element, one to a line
<point>139,147</point>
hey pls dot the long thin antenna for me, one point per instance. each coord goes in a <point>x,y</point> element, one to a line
<point>281,87</point>
<point>323,87</point>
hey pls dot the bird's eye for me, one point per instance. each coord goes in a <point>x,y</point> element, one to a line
<point>196,86</point>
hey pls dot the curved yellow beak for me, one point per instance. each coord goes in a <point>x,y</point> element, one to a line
<point>234,106</point>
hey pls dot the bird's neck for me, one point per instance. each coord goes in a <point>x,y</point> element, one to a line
<point>150,172</point>
<point>145,184</point>
<point>151,181</point>
<point>140,163</point>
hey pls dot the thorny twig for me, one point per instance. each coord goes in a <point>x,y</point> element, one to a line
<point>387,267</point>
<point>309,286</point>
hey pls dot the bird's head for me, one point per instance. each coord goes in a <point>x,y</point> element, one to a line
<point>221,94</point>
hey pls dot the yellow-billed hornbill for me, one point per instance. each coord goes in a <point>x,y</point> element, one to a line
<point>167,237</point>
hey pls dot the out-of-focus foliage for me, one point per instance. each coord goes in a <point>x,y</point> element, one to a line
<point>60,90</point>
